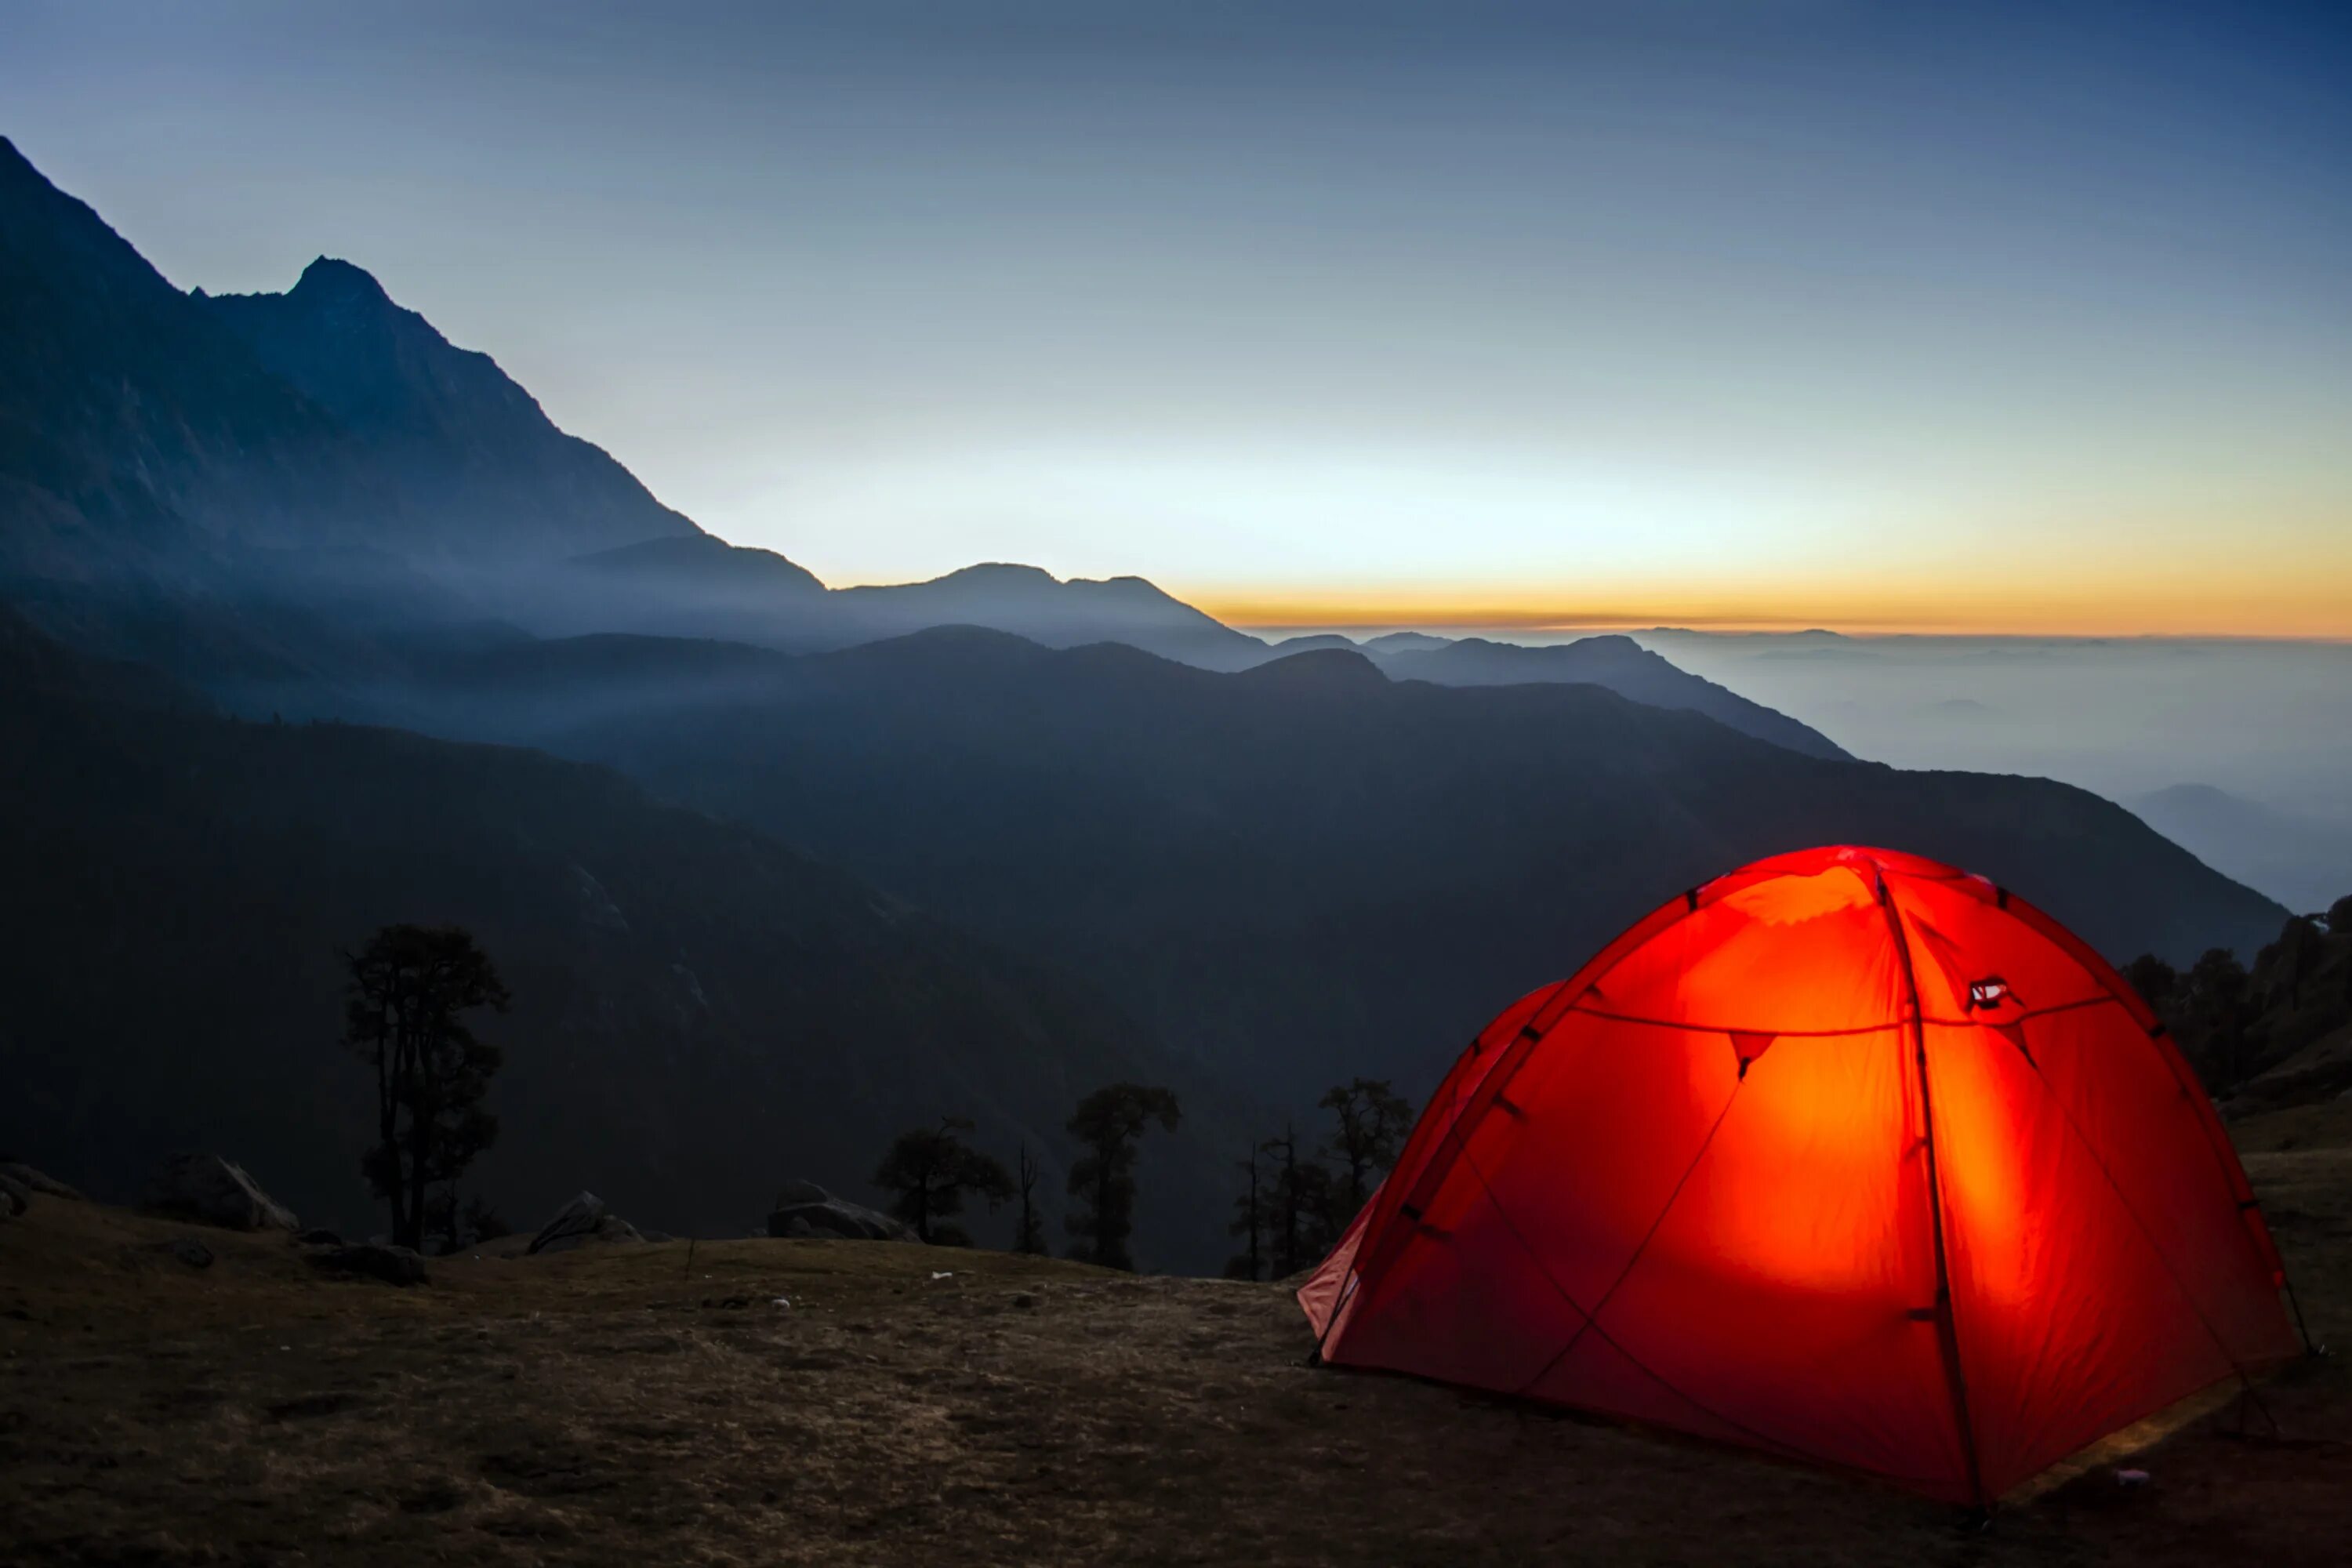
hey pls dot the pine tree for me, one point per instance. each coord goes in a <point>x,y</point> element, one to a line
<point>1107,1124</point>
<point>404,1012</point>
<point>1373,1121</point>
<point>930,1171</point>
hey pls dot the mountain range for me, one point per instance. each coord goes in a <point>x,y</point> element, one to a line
<point>701,1014</point>
<point>1302,869</point>
<point>776,868</point>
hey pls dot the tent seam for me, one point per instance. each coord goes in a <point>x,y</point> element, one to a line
<point>1593,1319</point>
<point>2145,1235</point>
<point>1502,1213</point>
<point>1956,1372</point>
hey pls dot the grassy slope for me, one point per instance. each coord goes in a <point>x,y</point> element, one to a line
<point>623,1405</point>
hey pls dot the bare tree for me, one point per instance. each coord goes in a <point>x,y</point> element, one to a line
<point>1029,1232</point>
<point>1249,1220</point>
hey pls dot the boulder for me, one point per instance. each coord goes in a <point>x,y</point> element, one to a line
<point>189,1250</point>
<point>320,1237</point>
<point>804,1210</point>
<point>24,1175</point>
<point>15,1197</point>
<point>393,1265</point>
<point>212,1191</point>
<point>581,1222</point>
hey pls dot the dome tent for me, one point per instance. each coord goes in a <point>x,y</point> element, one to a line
<point>1847,1156</point>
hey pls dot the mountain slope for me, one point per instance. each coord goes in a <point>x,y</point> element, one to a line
<point>326,415</point>
<point>1618,663</point>
<point>481,472</point>
<point>702,587</point>
<point>286,496</point>
<point>2307,864</point>
<point>1304,871</point>
<point>699,1012</point>
<point>128,415</point>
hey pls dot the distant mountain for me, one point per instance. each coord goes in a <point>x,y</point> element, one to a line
<point>1311,642</point>
<point>291,497</point>
<point>699,1012</point>
<point>1057,614</point>
<point>1404,642</point>
<point>130,419</point>
<point>1618,663</point>
<point>480,471</point>
<point>1306,870</point>
<point>132,414</point>
<point>2304,863</point>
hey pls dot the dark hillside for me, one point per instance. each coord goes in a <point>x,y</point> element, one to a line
<point>700,1013</point>
<point>1304,867</point>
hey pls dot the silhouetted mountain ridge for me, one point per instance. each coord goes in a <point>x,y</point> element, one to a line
<point>289,498</point>
<point>1617,662</point>
<point>699,1012</point>
<point>1303,870</point>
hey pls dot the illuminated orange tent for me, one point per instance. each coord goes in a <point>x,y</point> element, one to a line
<point>1848,1156</point>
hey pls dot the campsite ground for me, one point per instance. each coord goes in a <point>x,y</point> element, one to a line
<point>617,1406</point>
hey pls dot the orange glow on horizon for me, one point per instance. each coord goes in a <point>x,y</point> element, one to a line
<point>2311,610</point>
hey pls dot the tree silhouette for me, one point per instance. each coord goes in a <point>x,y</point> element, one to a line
<point>2294,958</point>
<point>2154,979</point>
<point>1249,1220</point>
<point>1107,1124</point>
<point>404,1012</point>
<point>2339,925</point>
<point>929,1170</point>
<point>1029,1231</point>
<point>1373,1121</point>
<point>2216,998</point>
<point>1299,1222</point>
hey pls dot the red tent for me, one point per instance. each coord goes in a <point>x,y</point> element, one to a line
<point>1848,1156</point>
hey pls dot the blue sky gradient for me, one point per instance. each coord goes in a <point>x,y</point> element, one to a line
<point>2031,316</point>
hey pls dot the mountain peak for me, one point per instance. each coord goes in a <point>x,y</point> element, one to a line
<point>1319,669</point>
<point>1000,571</point>
<point>329,279</point>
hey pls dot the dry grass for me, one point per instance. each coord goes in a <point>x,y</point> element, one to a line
<point>613,1406</point>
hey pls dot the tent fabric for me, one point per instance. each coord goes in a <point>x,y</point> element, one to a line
<point>1848,1156</point>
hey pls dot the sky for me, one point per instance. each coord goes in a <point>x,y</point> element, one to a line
<point>1998,316</point>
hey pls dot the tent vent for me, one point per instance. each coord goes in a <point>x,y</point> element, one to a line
<point>1989,992</point>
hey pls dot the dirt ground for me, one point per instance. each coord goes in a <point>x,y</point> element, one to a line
<point>625,1407</point>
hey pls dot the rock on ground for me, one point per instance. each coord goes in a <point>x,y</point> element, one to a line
<point>15,1197</point>
<point>804,1210</point>
<point>212,1191</point>
<point>579,1222</point>
<point>24,1175</point>
<point>393,1265</point>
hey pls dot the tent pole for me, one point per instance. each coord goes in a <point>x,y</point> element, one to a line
<point>2310,1346</point>
<point>1947,1331</point>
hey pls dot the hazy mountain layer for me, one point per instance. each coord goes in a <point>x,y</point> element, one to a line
<point>1306,869</point>
<point>287,496</point>
<point>699,1012</point>
<point>1618,663</point>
